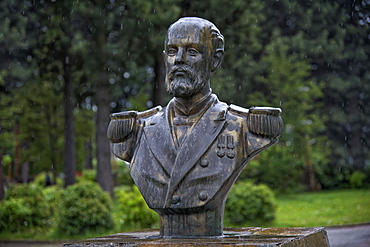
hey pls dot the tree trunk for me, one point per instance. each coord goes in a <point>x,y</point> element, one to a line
<point>357,152</point>
<point>9,172</point>
<point>25,171</point>
<point>102,97</point>
<point>69,131</point>
<point>158,83</point>
<point>17,153</point>
<point>2,178</point>
<point>312,181</point>
<point>104,171</point>
<point>88,158</point>
<point>52,126</point>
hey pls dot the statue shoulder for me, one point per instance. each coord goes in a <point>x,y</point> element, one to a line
<point>265,121</point>
<point>262,121</point>
<point>149,113</point>
<point>135,114</point>
<point>238,110</point>
<point>123,123</point>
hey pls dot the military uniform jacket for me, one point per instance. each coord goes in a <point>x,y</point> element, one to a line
<point>199,172</point>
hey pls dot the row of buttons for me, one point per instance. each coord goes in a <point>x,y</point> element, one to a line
<point>203,195</point>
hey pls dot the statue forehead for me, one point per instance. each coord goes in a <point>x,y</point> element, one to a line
<point>190,30</point>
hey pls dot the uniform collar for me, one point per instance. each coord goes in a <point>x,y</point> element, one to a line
<point>198,107</point>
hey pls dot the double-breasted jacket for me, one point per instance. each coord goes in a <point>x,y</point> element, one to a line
<point>196,174</point>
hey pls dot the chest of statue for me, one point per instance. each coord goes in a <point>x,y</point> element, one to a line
<point>188,174</point>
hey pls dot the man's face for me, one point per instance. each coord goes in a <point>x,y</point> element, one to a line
<point>188,59</point>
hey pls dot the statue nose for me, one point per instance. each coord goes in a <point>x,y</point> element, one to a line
<point>180,56</point>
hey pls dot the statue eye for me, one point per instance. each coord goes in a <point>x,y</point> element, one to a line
<point>192,51</point>
<point>171,51</point>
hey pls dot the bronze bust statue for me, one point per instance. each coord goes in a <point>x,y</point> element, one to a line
<point>185,157</point>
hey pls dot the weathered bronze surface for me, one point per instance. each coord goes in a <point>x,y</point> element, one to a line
<point>247,237</point>
<point>185,157</point>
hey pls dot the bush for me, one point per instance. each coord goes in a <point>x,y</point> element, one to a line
<point>40,179</point>
<point>14,215</point>
<point>133,210</point>
<point>52,195</point>
<point>84,207</point>
<point>123,173</point>
<point>87,175</point>
<point>250,204</point>
<point>357,179</point>
<point>24,207</point>
<point>277,168</point>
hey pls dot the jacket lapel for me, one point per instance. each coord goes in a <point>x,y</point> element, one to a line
<point>199,139</point>
<point>160,141</point>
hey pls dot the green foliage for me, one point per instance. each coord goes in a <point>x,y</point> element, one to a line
<point>335,176</point>
<point>7,160</point>
<point>14,215</point>
<point>53,195</point>
<point>250,204</point>
<point>311,60</point>
<point>285,82</point>
<point>84,207</point>
<point>40,179</point>
<point>278,168</point>
<point>122,172</point>
<point>133,210</point>
<point>87,176</point>
<point>357,179</point>
<point>24,207</point>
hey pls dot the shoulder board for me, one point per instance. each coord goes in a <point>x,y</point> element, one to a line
<point>149,113</point>
<point>123,115</point>
<point>265,111</point>
<point>238,110</point>
<point>135,114</point>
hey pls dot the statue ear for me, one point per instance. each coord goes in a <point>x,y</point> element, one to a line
<point>217,60</point>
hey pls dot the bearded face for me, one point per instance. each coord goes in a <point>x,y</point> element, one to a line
<point>188,60</point>
<point>183,81</point>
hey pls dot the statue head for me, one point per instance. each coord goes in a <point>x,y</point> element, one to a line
<point>194,50</point>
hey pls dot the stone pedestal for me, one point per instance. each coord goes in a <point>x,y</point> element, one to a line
<point>249,237</point>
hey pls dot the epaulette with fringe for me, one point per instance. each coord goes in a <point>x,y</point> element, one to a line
<point>265,121</point>
<point>122,123</point>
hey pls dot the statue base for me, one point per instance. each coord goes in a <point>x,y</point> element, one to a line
<point>248,236</point>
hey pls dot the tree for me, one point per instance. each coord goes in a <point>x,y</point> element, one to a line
<point>333,36</point>
<point>98,14</point>
<point>15,70</point>
<point>38,58</point>
<point>55,17</point>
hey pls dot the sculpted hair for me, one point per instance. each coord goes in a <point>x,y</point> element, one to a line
<point>218,42</point>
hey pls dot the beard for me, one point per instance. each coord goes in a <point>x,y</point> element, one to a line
<point>185,85</point>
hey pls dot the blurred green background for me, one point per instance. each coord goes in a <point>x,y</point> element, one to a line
<point>66,65</point>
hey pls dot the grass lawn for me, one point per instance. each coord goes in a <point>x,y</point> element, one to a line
<point>326,208</point>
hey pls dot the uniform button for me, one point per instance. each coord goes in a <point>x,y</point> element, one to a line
<point>175,200</point>
<point>203,195</point>
<point>204,163</point>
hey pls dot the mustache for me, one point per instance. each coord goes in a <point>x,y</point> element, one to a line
<point>187,69</point>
